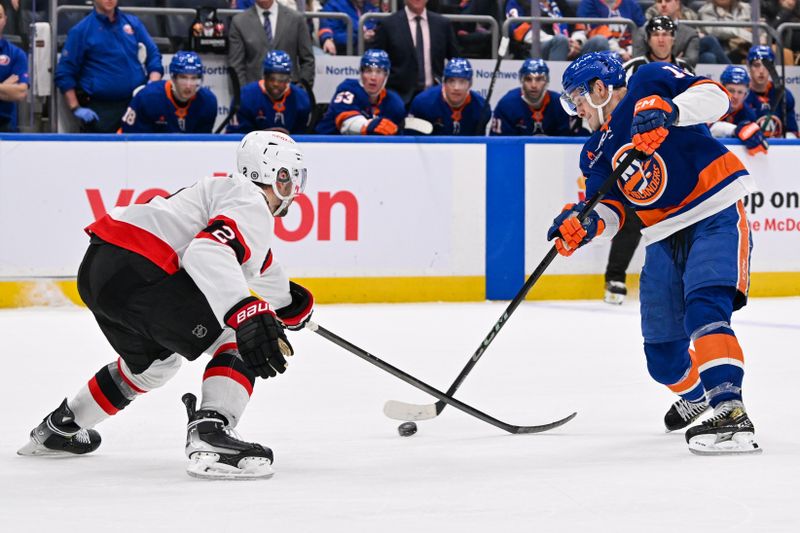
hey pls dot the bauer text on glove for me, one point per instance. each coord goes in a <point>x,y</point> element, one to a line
<point>260,337</point>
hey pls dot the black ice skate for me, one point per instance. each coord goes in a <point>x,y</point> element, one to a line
<point>615,292</point>
<point>215,451</point>
<point>683,412</point>
<point>58,434</point>
<point>728,432</point>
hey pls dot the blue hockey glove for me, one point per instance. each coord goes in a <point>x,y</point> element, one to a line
<point>85,115</point>
<point>652,117</point>
<point>752,137</point>
<point>571,234</point>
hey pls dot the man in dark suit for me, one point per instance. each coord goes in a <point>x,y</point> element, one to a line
<point>418,41</point>
<point>266,26</point>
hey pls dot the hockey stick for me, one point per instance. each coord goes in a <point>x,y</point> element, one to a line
<point>409,411</point>
<point>418,124</point>
<point>313,117</point>
<point>501,54</point>
<point>235,87</point>
<point>780,100</point>
<point>411,380</point>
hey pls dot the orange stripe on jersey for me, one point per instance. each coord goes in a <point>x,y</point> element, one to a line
<point>743,283</point>
<point>691,379</point>
<point>180,111</point>
<point>521,30</point>
<point>711,176</point>
<point>341,117</point>
<point>716,349</point>
<point>701,82</point>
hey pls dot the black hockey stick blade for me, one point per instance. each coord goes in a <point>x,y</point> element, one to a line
<point>235,103</point>
<point>412,412</point>
<point>411,380</point>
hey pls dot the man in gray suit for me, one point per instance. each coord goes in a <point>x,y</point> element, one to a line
<point>266,26</point>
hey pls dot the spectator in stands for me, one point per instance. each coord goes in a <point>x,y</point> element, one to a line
<point>418,41</point>
<point>660,37</point>
<point>13,78</point>
<point>475,39</point>
<point>99,66</point>
<point>180,105</point>
<point>453,109</point>
<point>533,110</point>
<point>559,42</point>
<point>686,40</point>
<point>333,32</point>
<point>619,36</point>
<point>735,41</point>
<point>273,103</point>
<point>365,106</point>
<point>776,13</point>
<point>266,26</point>
<point>740,121</point>
<point>768,101</point>
<point>710,51</point>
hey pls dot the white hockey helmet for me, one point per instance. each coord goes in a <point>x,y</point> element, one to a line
<point>273,158</point>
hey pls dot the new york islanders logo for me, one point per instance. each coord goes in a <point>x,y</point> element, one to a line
<point>770,125</point>
<point>643,182</point>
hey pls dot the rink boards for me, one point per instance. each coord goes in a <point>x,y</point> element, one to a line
<point>383,220</point>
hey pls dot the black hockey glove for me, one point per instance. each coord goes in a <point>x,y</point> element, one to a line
<point>295,315</point>
<point>260,338</point>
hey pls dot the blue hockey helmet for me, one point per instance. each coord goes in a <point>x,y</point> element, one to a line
<point>760,52</point>
<point>734,74</point>
<point>376,58</point>
<point>186,63</point>
<point>277,62</point>
<point>534,66</point>
<point>458,67</point>
<point>580,74</point>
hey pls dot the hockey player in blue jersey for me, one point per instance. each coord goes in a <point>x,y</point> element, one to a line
<point>688,191</point>
<point>453,108</point>
<point>763,97</point>
<point>532,109</point>
<point>179,105</point>
<point>740,122</point>
<point>273,102</point>
<point>364,106</point>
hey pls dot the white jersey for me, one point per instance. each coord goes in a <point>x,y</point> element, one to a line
<point>219,230</point>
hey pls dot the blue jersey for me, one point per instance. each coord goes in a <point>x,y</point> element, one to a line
<point>12,61</point>
<point>768,117</point>
<point>628,9</point>
<point>514,116</point>
<point>100,57</point>
<point>690,177</point>
<point>155,110</point>
<point>258,111</point>
<point>351,99</point>
<point>336,29</point>
<point>469,119</point>
<point>743,113</point>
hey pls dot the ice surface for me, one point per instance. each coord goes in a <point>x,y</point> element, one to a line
<point>341,466</point>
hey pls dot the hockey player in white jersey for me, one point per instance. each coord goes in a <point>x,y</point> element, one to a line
<point>172,279</point>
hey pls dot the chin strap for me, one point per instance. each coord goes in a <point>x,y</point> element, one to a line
<point>600,107</point>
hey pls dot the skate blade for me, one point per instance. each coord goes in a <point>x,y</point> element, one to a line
<point>741,443</point>
<point>207,466</point>
<point>34,449</point>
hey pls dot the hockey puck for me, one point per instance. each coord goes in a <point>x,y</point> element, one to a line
<point>406,429</point>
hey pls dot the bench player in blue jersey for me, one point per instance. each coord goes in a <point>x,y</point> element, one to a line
<point>688,193</point>
<point>532,109</point>
<point>273,102</point>
<point>740,122</point>
<point>179,105</point>
<point>763,97</point>
<point>364,106</point>
<point>453,108</point>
